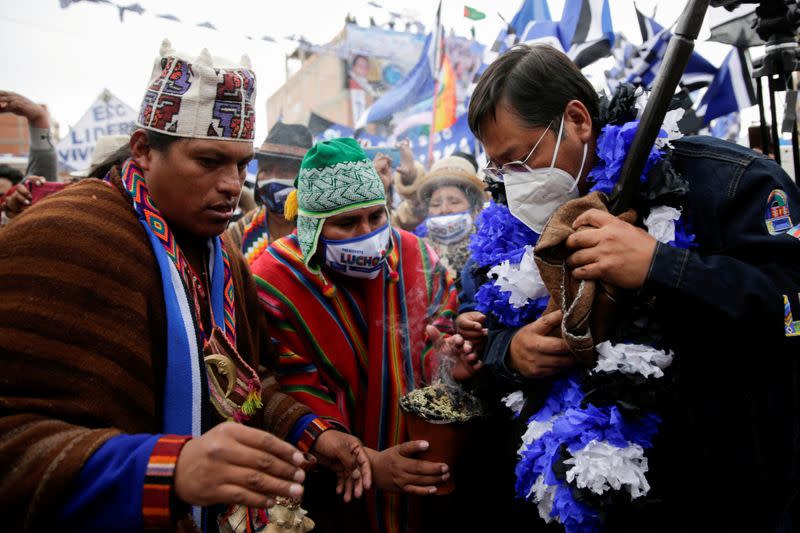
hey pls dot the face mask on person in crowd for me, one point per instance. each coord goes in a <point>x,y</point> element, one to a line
<point>449,228</point>
<point>273,194</point>
<point>359,257</point>
<point>534,194</point>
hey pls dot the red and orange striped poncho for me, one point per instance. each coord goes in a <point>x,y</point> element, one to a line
<point>350,356</point>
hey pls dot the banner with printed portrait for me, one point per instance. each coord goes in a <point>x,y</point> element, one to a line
<point>376,59</point>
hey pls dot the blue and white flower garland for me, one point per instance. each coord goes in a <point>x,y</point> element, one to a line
<point>574,442</point>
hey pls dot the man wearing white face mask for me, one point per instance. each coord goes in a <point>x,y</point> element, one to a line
<point>533,194</point>
<point>720,287</point>
<point>355,302</point>
<point>453,195</point>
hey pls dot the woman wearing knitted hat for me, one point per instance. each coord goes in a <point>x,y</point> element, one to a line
<point>453,195</point>
<point>357,303</point>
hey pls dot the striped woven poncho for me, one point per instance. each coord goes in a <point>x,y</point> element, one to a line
<point>352,355</point>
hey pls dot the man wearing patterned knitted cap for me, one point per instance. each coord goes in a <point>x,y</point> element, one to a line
<point>136,383</point>
<point>355,302</point>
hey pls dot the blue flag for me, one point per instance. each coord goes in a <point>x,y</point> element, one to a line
<point>417,85</point>
<point>585,31</point>
<point>732,88</point>
<point>529,13</point>
<point>585,21</point>
<point>457,137</point>
<point>697,74</point>
<point>648,27</point>
<point>545,32</point>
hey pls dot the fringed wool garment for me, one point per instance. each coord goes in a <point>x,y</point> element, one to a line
<point>350,356</point>
<point>83,349</point>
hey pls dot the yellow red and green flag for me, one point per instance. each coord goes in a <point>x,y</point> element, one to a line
<point>445,105</point>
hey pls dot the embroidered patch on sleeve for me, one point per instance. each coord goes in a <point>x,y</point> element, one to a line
<point>791,326</point>
<point>776,215</point>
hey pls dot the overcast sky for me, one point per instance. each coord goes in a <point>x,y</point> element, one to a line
<point>65,57</point>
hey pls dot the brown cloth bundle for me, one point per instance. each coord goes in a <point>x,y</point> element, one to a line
<point>588,306</point>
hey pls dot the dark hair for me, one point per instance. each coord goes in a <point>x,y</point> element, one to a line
<point>537,81</point>
<point>161,141</point>
<point>10,173</point>
<point>468,157</point>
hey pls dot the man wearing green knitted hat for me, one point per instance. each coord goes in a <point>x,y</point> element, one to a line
<point>353,298</point>
<point>337,177</point>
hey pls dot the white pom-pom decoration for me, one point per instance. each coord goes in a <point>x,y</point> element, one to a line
<point>661,223</point>
<point>514,401</point>
<point>632,359</point>
<point>600,467</point>
<point>522,281</point>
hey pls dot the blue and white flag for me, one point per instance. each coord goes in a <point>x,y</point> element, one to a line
<point>645,64</point>
<point>531,11</point>
<point>732,88</point>
<point>585,31</point>
<point>648,27</point>
<point>623,51</point>
<point>416,86</point>
<point>542,32</point>
<point>585,21</point>
<point>644,67</point>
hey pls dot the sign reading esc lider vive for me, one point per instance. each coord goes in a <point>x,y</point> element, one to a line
<point>108,115</point>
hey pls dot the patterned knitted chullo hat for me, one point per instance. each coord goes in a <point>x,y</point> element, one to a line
<point>335,177</point>
<point>201,98</point>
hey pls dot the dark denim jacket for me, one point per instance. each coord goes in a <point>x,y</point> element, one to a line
<point>739,273</point>
<point>735,400</point>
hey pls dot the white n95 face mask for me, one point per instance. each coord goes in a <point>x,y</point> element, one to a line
<point>534,195</point>
<point>359,257</point>
<point>450,228</point>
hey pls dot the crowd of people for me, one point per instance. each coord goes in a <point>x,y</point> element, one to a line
<point>182,353</point>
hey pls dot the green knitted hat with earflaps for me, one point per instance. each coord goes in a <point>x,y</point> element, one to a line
<point>335,177</point>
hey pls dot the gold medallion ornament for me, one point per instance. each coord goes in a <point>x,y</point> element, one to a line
<point>220,365</point>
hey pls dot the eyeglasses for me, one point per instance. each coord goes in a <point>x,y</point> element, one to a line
<point>515,166</point>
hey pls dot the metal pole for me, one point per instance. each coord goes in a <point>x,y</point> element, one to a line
<point>669,75</point>
<point>765,144</point>
<point>776,139</point>
<point>791,83</point>
<point>433,123</point>
<point>795,153</point>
